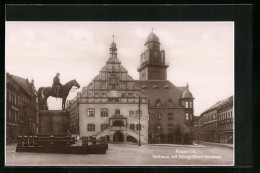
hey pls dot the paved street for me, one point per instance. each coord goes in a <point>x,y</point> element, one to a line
<point>129,154</point>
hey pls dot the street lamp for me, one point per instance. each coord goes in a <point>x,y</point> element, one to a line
<point>199,130</point>
<point>159,128</point>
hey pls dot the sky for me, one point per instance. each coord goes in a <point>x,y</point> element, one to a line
<point>199,53</point>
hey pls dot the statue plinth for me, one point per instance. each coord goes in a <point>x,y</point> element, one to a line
<point>53,122</point>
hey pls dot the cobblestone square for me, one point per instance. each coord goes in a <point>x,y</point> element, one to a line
<point>129,154</point>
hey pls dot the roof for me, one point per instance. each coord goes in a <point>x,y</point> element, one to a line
<point>118,116</point>
<point>152,38</point>
<point>23,83</point>
<point>187,93</point>
<point>219,104</point>
<point>227,102</point>
<point>151,88</point>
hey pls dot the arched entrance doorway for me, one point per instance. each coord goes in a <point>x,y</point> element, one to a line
<point>131,139</point>
<point>118,137</point>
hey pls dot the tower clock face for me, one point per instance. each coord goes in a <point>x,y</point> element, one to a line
<point>113,81</point>
<point>156,54</point>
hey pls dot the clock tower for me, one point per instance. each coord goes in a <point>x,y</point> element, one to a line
<point>153,66</point>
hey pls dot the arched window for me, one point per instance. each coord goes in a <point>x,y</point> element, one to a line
<point>169,102</point>
<point>138,126</point>
<point>131,113</point>
<point>132,126</point>
<point>104,126</point>
<point>104,112</point>
<point>90,112</point>
<point>137,113</point>
<point>91,127</point>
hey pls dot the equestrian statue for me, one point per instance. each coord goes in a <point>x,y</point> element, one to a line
<point>57,90</point>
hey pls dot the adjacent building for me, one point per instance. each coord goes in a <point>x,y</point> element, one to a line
<point>113,102</point>
<point>225,121</point>
<point>217,122</point>
<point>21,113</point>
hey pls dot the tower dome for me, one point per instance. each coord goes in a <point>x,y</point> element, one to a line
<point>152,38</point>
<point>113,46</point>
<point>187,94</point>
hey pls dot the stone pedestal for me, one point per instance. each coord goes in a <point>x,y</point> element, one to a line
<point>53,122</point>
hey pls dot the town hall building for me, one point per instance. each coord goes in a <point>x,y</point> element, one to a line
<point>113,102</point>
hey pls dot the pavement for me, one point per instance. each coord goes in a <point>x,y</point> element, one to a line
<point>124,154</point>
<point>215,144</point>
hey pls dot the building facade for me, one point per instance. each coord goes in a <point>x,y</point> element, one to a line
<point>170,108</point>
<point>225,121</point>
<point>217,122</point>
<point>110,103</point>
<point>21,113</point>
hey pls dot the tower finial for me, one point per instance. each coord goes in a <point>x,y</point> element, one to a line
<point>152,29</point>
<point>187,85</point>
<point>113,38</point>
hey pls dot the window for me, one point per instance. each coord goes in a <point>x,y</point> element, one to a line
<point>103,95</point>
<point>138,126</point>
<point>158,116</point>
<point>91,127</point>
<point>157,102</point>
<point>170,127</point>
<point>104,126</point>
<point>190,104</point>
<point>137,113</point>
<point>190,116</point>
<point>90,112</point>
<point>123,94</point>
<point>96,94</point>
<point>104,112</point>
<point>130,94</point>
<point>187,116</point>
<point>118,123</point>
<point>131,113</point>
<point>170,116</point>
<point>169,102</point>
<point>186,104</point>
<point>132,126</point>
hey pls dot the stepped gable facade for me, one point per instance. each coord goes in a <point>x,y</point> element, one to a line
<point>109,105</point>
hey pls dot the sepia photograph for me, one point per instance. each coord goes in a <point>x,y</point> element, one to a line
<point>119,93</point>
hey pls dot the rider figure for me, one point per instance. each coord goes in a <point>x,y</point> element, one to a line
<point>56,84</point>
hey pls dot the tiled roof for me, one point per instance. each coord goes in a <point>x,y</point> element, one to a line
<point>160,91</point>
<point>23,83</point>
<point>219,104</point>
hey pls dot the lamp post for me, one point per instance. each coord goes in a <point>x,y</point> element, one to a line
<point>159,129</point>
<point>199,130</point>
<point>139,125</point>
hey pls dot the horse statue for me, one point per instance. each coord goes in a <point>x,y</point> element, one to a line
<point>45,92</point>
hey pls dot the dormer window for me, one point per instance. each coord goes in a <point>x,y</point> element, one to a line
<point>155,86</point>
<point>157,102</point>
<point>166,86</point>
<point>144,87</point>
